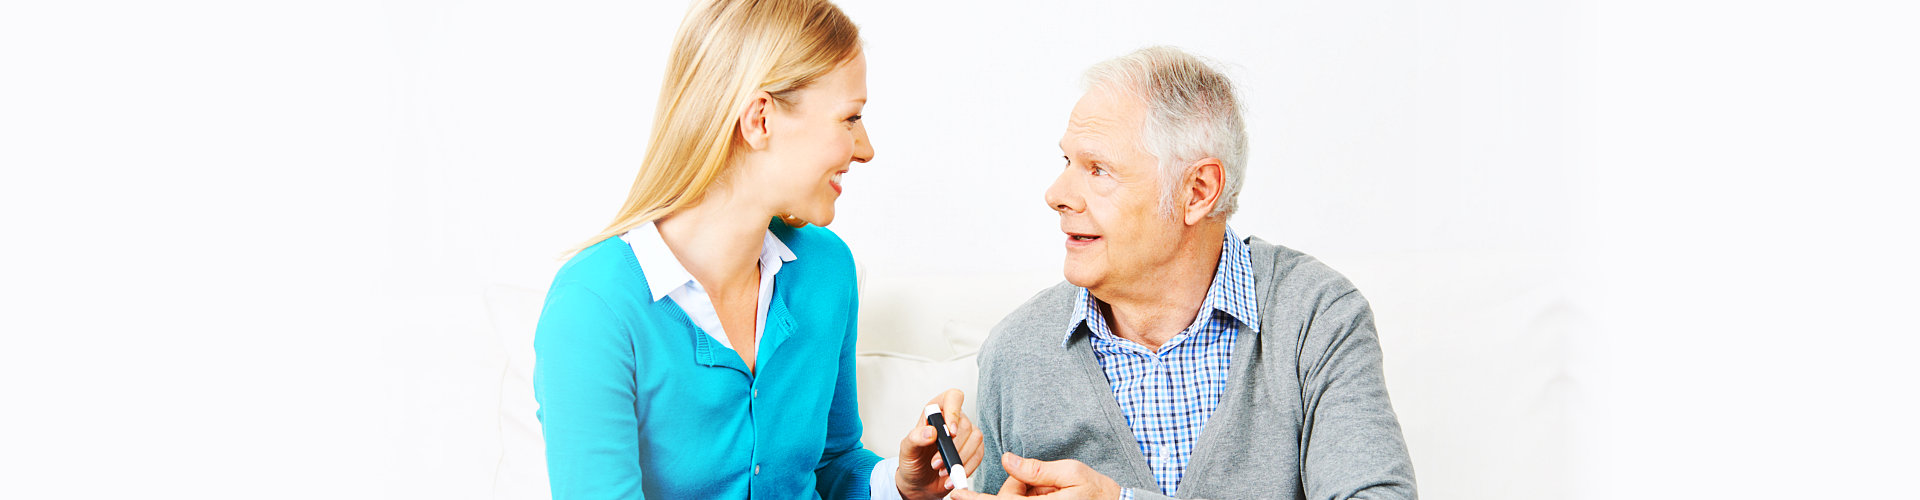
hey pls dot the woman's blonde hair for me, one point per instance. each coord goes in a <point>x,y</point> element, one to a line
<point>725,52</point>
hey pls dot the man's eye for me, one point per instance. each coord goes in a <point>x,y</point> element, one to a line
<point>1098,170</point>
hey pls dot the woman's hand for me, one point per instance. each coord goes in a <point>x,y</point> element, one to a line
<point>922,473</point>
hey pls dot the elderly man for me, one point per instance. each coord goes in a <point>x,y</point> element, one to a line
<point>1180,359</point>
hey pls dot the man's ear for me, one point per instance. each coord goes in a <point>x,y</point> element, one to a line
<point>1205,182</point>
<point>753,120</point>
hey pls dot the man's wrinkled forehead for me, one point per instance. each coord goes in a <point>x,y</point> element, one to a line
<point>1101,121</point>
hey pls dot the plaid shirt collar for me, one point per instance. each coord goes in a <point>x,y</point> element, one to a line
<point>1230,293</point>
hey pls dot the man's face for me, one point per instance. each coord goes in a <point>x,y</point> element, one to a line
<point>1108,196</point>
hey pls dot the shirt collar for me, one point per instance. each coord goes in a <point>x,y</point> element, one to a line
<point>1231,292</point>
<point>664,272</point>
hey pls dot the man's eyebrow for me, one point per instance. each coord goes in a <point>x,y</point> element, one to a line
<point>1087,152</point>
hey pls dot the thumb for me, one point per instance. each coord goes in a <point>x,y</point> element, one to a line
<point>1035,472</point>
<point>913,446</point>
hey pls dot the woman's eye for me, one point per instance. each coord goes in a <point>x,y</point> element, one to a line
<point>1098,170</point>
<point>853,119</point>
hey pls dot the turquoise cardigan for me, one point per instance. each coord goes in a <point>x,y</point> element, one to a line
<point>637,402</point>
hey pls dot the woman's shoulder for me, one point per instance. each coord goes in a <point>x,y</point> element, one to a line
<point>606,265</point>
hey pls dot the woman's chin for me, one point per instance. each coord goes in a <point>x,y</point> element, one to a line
<point>798,220</point>
<point>822,221</point>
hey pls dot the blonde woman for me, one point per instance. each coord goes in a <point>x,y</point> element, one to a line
<point>702,345</point>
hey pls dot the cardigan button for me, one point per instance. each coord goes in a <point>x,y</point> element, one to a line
<point>756,393</point>
<point>756,469</point>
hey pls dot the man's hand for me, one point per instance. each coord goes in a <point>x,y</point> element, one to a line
<point>1058,480</point>
<point>922,473</point>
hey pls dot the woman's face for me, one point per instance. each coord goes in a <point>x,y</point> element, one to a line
<point>813,141</point>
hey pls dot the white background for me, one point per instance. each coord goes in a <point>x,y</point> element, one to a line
<point>245,241</point>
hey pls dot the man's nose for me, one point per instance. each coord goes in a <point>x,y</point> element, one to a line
<point>1060,196</point>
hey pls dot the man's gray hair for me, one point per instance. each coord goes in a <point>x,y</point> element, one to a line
<point>1191,114</point>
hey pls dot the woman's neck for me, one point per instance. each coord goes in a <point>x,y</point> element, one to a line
<point>718,240</point>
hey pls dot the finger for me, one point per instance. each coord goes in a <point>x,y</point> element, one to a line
<point>978,452</point>
<point>1012,490</point>
<point>963,424</point>
<point>1060,473</point>
<point>967,438</point>
<point>1013,487</point>
<point>941,399</point>
<point>939,464</point>
<point>970,453</point>
<point>949,402</point>
<point>975,495</point>
<point>1018,468</point>
<point>970,450</point>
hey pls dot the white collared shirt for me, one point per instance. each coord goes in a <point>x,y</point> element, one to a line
<point>667,278</point>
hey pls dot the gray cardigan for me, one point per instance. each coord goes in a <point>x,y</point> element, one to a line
<point>1305,412</point>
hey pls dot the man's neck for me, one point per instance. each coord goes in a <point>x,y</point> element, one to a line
<point>1155,309</point>
<point>718,241</point>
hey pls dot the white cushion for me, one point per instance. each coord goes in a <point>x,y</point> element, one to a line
<point>522,469</point>
<point>894,388</point>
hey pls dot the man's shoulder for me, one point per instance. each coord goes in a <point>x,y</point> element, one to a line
<point>1041,320</point>
<point>1286,276</point>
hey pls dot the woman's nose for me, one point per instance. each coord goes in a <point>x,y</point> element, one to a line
<point>862,148</point>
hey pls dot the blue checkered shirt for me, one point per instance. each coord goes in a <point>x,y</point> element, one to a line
<point>1167,396</point>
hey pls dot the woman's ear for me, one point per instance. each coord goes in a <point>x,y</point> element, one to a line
<point>753,120</point>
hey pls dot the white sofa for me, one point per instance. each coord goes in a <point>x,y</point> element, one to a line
<point>1482,379</point>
